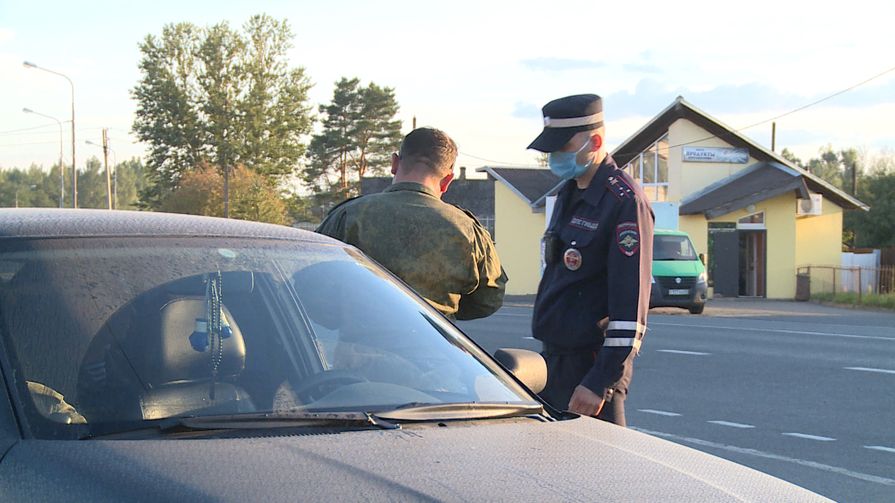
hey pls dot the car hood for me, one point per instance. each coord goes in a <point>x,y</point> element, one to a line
<point>576,460</point>
<point>677,267</point>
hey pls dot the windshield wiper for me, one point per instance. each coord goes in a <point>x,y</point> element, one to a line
<point>250,421</point>
<point>464,410</point>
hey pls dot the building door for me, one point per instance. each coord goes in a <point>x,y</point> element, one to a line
<point>724,262</point>
<point>752,263</point>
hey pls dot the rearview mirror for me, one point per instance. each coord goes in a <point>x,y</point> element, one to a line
<point>528,366</point>
<point>702,258</point>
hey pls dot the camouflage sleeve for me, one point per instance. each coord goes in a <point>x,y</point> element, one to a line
<point>334,224</point>
<point>487,297</point>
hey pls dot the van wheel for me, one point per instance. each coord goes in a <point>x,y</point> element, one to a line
<point>697,309</point>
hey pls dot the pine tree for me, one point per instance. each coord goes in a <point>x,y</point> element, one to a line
<point>359,134</point>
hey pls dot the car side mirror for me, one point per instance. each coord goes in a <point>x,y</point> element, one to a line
<point>528,366</point>
<point>702,258</point>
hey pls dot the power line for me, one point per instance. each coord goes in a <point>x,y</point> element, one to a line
<point>25,144</point>
<point>82,131</point>
<point>32,133</point>
<point>500,163</point>
<point>11,131</point>
<point>799,109</point>
<point>765,121</point>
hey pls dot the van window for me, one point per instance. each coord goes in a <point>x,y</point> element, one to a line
<point>672,248</point>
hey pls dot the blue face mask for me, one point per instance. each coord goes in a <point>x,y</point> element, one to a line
<point>565,164</point>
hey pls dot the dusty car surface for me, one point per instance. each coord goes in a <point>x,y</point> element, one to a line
<point>159,357</point>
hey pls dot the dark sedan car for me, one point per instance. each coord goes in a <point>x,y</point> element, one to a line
<point>164,357</point>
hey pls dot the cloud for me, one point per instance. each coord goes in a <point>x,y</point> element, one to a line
<point>6,35</point>
<point>641,68</point>
<point>561,64</point>
<point>526,111</point>
<point>800,137</point>
<point>650,96</point>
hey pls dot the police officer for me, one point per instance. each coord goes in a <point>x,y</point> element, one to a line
<point>592,302</point>
<point>438,249</point>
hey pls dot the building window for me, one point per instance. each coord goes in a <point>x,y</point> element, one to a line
<point>754,221</point>
<point>650,170</point>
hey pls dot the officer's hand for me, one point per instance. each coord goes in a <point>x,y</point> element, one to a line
<point>585,402</point>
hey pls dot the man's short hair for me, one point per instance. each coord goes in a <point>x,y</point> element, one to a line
<point>430,147</point>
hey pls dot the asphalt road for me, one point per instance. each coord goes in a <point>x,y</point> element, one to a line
<point>801,391</point>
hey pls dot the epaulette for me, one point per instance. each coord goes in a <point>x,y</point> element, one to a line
<point>619,187</point>
<point>334,208</point>
<point>468,213</point>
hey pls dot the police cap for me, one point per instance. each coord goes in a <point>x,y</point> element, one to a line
<point>566,116</point>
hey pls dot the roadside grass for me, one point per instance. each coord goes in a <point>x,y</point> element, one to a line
<point>884,301</point>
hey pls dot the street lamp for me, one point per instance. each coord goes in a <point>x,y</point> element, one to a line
<point>74,168</point>
<point>61,166</point>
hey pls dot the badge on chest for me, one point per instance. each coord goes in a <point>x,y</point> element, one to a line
<point>571,258</point>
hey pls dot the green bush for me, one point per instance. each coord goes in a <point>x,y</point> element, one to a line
<point>886,301</point>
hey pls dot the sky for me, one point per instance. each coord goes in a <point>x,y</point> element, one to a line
<point>482,70</point>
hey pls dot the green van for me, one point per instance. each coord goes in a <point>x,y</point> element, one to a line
<point>679,278</point>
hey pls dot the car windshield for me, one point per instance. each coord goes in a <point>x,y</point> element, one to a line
<point>672,248</point>
<point>123,330</point>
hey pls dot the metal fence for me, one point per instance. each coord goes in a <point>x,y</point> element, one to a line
<point>813,280</point>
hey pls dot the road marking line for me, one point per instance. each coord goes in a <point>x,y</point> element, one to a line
<point>679,352</point>
<point>809,437</point>
<point>512,315</point>
<point>867,369</point>
<point>659,412</point>
<point>530,338</point>
<point>777,330</point>
<point>767,455</point>
<point>879,448</point>
<point>732,425</point>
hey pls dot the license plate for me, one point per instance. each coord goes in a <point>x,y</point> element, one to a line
<point>680,291</point>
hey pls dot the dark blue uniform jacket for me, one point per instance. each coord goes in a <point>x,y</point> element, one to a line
<point>598,253</point>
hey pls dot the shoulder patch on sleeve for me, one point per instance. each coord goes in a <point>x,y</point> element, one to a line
<point>628,238</point>
<point>619,187</point>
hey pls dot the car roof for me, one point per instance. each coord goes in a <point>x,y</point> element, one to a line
<point>669,232</point>
<point>60,223</point>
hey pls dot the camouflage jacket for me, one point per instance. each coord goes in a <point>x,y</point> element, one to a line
<point>438,249</point>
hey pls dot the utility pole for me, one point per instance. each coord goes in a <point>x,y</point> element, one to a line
<point>106,164</point>
<point>414,122</point>
<point>854,192</point>
<point>773,136</point>
<point>74,165</point>
<point>115,182</point>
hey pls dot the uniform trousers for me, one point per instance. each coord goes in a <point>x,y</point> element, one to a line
<point>565,370</point>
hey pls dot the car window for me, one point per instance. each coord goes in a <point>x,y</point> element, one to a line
<point>672,248</point>
<point>128,329</point>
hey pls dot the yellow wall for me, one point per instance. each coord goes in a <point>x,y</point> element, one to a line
<point>819,242</point>
<point>780,222</point>
<point>685,178</point>
<point>792,242</point>
<point>698,229</point>
<point>518,234</point>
